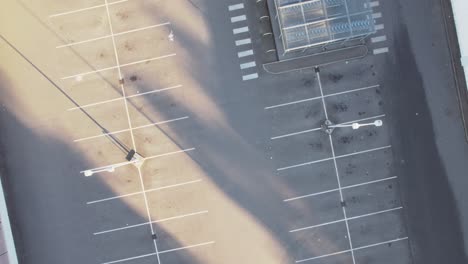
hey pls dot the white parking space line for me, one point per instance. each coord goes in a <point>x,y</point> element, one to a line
<point>303,164</point>
<point>186,247</point>
<point>376,15</point>
<point>355,249</point>
<point>245,53</point>
<point>152,222</point>
<point>160,252</point>
<point>135,128</point>
<point>319,97</point>
<point>243,42</point>
<point>248,65</point>
<point>81,42</point>
<point>380,50</point>
<point>336,189</point>
<point>250,76</point>
<point>143,159</point>
<point>346,219</point>
<point>238,18</point>
<point>121,66</point>
<point>326,159</point>
<point>146,190</point>
<point>374,4</point>
<point>310,195</point>
<point>132,258</point>
<point>86,8</point>
<point>235,7</point>
<point>363,151</point>
<point>296,133</point>
<point>379,27</point>
<point>240,30</point>
<point>378,39</point>
<point>115,34</point>
<point>122,98</point>
<point>336,169</point>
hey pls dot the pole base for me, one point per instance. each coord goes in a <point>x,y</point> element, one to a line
<point>326,127</point>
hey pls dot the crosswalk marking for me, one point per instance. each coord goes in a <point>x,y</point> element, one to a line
<point>245,53</point>
<point>379,27</point>
<point>247,65</point>
<point>380,50</point>
<point>378,39</point>
<point>238,18</point>
<point>235,7</point>
<point>376,15</point>
<point>240,30</point>
<point>374,3</point>
<point>243,42</point>
<point>250,76</point>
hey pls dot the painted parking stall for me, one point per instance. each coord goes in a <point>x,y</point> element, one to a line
<point>126,60</point>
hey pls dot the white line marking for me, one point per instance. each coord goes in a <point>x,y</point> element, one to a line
<point>326,159</point>
<point>115,67</point>
<point>382,243</point>
<point>240,30</point>
<point>238,18</point>
<point>250,76</point>
<point>336,189</point>
<point>319,97</point>
<point>120,73</point>
<point>235,7</point>
<point>186,247</point>
<point>243,42</point>
<point>374,4</point>
<point>132,258</point>
<point>143,159</point>
<point>376,15</point>
<point>123,98</point>
<point>310,195</point>
<point>248,65</point>
<point>369,182</point>
<point>135,128</point>
<point>108,36</point>
<point>347,219</point>
<point>336,169</point>
<point>86,8</point>
<point>142,185</point>
<point>380,50</point>
<point>303,164</point>
<point>296,133</point>
<point>81,42</point>
<point>378,39</point>
<point>364,151</point>
<point>349,250</point>
<point>147,223</point>
<point>140,192</point>
<point>379,27</point>
<point>245,53</point>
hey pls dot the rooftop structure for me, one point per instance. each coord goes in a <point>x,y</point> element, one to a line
<point>310,23</point>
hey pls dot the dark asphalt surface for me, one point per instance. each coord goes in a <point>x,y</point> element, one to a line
<point>428,134</point>
<point>430,155</point>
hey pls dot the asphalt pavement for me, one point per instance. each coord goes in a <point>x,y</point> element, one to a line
<point>237,167</point>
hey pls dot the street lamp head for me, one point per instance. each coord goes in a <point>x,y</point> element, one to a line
<point>88,173</point>
<point>378,123</point>
<point>355,125</point>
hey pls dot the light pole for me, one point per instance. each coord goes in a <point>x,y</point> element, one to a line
<point>328,126</point>
<point>134,159</point>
